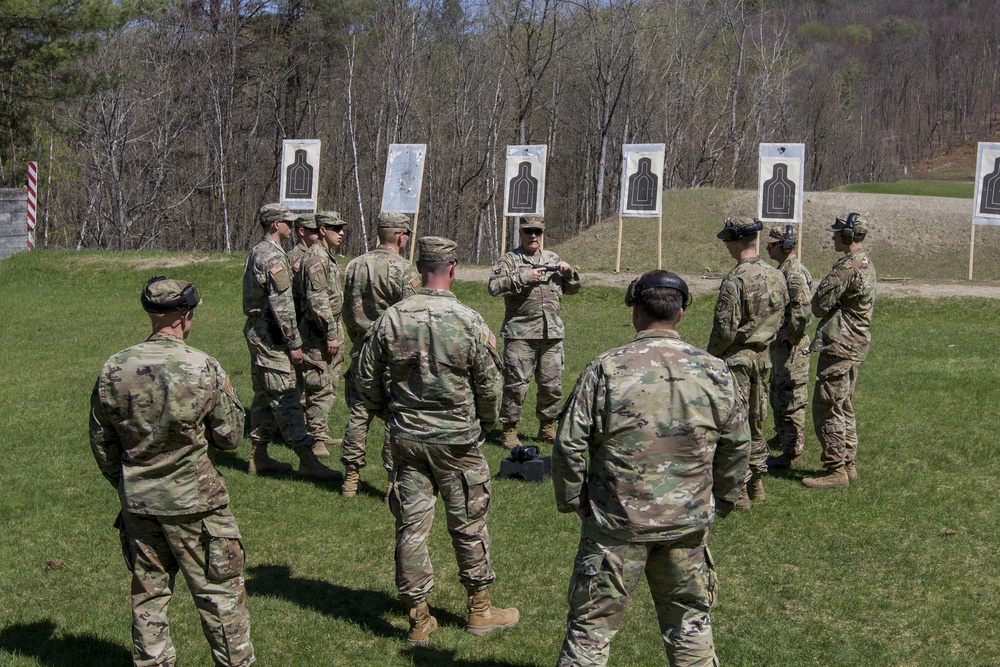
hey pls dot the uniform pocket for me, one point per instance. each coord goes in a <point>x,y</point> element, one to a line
<point>477,491</point>
<point>224,555</point>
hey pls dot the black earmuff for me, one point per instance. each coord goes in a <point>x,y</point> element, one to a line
<point>635,288</point>
<point>788,239</point>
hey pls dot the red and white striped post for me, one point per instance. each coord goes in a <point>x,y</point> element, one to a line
<point>32,202</point>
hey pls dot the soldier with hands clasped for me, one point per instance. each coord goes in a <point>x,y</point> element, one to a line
<point>159,410</point>
<point>651,445</point>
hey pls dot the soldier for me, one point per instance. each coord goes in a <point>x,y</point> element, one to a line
<point>319,328</point>
<point>748,314</point>
<point>374,281</point>
<point>532,282</point>
<point>665,432</point>
<point>334,228</point>
<point>790,351</point>
<point>844,302</point>
<point>275,345</point>
<point>430,366</point>
<point>159,410</point>
<point>297,252</point>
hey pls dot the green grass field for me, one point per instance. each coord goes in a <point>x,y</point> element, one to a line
<point>867,575</point>
<point>917,187</point>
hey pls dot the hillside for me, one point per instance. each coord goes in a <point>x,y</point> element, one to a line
<point>918,238</point>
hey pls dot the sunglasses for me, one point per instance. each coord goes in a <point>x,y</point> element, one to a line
<point>334,228</point>
<point>532,232</point>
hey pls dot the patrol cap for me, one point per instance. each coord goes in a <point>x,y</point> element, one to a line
<point>394,220</point>
<point>308,221</point>
<point>269,213</point>
<point>437,249</point>
<point>329,219</point>
<point>164,295</point>
<point>533,222</point>
<point>786,235</point>
<point>853,222</point>
<point>736,227</point>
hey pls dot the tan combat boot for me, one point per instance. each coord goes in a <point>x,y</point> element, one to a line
<point>782,462</point>
<point>547,430</point>
<point>422,625</point>
<point>755,487</point>
<point>828,479</point>
<point>485,618</point>
<point>743,503</point>
<point>852,472</point>
<point>510,440</point>
<point>351,479</point>
<point>310,466</point>
<point>319,448</point>
<point>261,462</point>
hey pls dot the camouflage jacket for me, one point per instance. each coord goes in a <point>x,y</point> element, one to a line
<point>844,302</point>
<point>664,430</point>
<point>267,290</point>
<point>156,411</point>
<point>374,281</point>
<point>750,308</point>
<point>432,363</point>
<point>295,254</point>
<point>312,296</point>
<point>336,289</point>
<point>531,310</point>
<point>798,311</point>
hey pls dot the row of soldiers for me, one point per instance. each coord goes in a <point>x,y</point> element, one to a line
<point>429,366</point>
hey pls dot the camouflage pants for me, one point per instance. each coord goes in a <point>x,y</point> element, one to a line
<point>521,360</point>
<point>790,394</point>
<point>207,550</point>
<point>353,449</point>
<point>833,410</point>
<point>750,370</point>
<point>462,477</point>
<point>318,379</point>
<point>682,581</point>
<point>276,411</point>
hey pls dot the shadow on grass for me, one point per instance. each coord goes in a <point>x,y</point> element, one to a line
<point>428,655</point>
<point>366,608</point>
<point>795,474</point>
<point>68,650</point>
<point>233,462</point>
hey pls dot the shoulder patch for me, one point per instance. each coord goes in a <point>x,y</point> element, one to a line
<point>493,340</point>
<point>297,264</point>
<point>721,306</point>
<point>497,266</point>
<point>276,269</point>
<point>315,267</point>
<point>415,283</point>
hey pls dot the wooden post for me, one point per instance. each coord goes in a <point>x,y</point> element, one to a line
<point>972,249</point>
<point>800,241</point>
<point>618,254</point>
<point>413,234</point>
<point>503,237</point>
<point>659,242</point>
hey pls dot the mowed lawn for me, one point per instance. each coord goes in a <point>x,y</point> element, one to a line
<point>898,569</point>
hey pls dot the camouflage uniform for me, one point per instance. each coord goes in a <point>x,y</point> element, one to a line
<point>374,281</point>
<point>430,366</point>
<point>790,360</point>
<point>665,432</point>
<point>295,254</point>
<point>157,411</point>
<point>270,331</point>
<point>749,311</point>
<point>844,302</point>
<point>314,277</point>
<point>532,331</point>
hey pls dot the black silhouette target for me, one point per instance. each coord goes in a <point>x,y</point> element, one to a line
<point>778,200</point>
<point>989,197</point>
<point>299,177</point>
<point>643,187</point>
<point>523,190</point>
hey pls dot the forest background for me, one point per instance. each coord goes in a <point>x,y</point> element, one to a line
<point>158,123</point>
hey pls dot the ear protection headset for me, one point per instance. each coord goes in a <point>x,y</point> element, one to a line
<point>188,299</point>
<point>847,230</point>
<point>635,288</point>
<point>739,231</point>
<point>788,239</point>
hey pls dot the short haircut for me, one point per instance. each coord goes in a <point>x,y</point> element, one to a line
<point>747,240</point>
<point>387,234</point>
<point>434,266</point>
<point>663,304</point>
